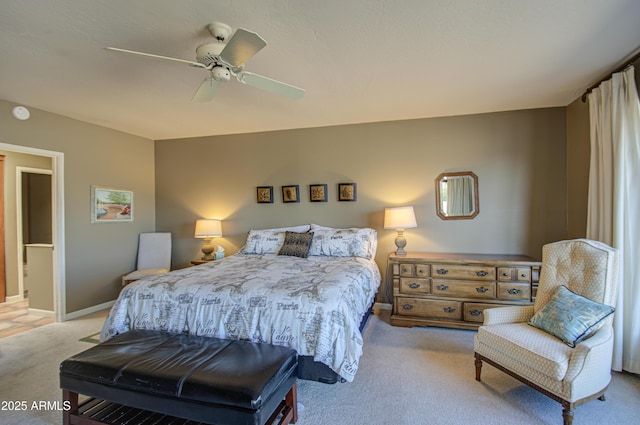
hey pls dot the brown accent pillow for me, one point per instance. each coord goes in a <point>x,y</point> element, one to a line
<point>296,244</point>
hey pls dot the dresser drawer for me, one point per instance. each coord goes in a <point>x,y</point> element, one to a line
<point>474,312</point>
<point>406,270</point>
<point>414,270</point>
<point>414,285</point>
<point>520,274</point>
<point>514,291</point>
<point>463,288</point>
<point>429,308</point>
<point>422,270</point>
<point>463,272</point>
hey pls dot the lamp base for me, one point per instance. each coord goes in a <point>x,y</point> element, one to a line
<point>401,242</point>
<point>207,250</point>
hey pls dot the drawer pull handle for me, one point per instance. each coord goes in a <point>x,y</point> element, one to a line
<point>514,291</point>
<point>523,275</point>
<point>442,271</point>
<point>449,309</point>
<point>407,306</point>
<point>482,273</point>
<point>482,289</point>
<point>414,285</point>
<point>475,312</point>
<point>442,287</point>
<point>505,274</point>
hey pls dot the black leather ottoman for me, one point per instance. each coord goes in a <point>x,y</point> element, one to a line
<point>207,380</point>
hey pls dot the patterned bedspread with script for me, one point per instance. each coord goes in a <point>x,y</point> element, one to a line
<point>313,304</point>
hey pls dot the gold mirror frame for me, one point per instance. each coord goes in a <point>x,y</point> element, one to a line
<point>442,197</point>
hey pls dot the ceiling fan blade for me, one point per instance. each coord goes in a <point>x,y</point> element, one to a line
<point>241,47</point>
<point>207,90</point>
<point>149,55</point>
<point>270,85</point>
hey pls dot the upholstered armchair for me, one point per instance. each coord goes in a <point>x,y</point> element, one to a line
<point>562,345</point>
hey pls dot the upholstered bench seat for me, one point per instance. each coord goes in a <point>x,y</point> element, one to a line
<point>208,380</point>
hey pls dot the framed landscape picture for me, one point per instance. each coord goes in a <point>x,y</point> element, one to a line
<point>111,205</point>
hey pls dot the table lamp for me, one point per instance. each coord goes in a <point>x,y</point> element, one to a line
<point>400,218</point>
<point>207,229</point>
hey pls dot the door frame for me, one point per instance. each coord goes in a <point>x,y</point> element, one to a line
<point>57,212</point>
<point>19,170</point>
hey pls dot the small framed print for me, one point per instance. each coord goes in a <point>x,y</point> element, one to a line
<point>111,205</point>
<point>347,192</point>
<point>265,194</point>
<point>290,194</point>
<point>318,193</point>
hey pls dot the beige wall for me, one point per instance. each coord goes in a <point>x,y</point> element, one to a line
<point>519,157</point>
<point>96,254</point>
<point>578,151</point>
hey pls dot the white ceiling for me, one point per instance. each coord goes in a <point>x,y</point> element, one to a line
<point>359,60</point>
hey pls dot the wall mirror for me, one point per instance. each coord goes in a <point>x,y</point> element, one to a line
<point>457,196</point>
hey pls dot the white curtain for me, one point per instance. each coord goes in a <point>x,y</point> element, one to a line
<point>614,201</point>
<point>459,195</point>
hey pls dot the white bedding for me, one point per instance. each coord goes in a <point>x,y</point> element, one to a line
<point>313,304</point>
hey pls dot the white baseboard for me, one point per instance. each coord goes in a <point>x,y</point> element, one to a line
<point>88,310</point>
<point>13,299</point>
<point>382,306</point>
<point>41,313</point>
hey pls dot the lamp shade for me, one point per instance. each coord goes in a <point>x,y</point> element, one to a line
<point>399,218</point>
<point>208,228</point>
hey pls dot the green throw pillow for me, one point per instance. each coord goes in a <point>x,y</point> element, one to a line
<point>570,317</point>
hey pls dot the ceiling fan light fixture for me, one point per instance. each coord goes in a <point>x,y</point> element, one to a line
<point>225,57</point>
<point>221,73</point>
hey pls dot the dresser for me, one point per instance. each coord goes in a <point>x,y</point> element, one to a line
<point>453,290</point>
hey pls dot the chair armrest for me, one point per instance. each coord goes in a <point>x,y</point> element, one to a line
<point>509,314</point>
<point>596,350</point>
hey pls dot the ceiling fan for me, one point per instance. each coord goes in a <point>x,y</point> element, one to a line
<point>226,59</point>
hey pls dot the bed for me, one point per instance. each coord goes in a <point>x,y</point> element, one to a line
<point>309,288</point>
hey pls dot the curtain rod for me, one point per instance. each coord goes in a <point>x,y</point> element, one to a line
<point>627,63</point>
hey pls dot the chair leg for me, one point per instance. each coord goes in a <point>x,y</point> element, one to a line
<point>567,413</point>
<point>478,366</point>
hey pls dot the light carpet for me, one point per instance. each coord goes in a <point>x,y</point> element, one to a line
<point>406,376</point>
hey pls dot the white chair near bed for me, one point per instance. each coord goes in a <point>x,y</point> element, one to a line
<point>562,345</point>
<point>154,256</point>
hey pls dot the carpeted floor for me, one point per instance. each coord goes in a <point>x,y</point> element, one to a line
<point>406,376</point>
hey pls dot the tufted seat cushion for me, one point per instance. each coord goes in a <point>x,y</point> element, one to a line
<point>527,345</point>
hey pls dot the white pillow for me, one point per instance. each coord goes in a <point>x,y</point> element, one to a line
<point>319,227</point>
<point>344,243</point>
<point>263,242</point>
<point>269,241</point>
<point>298,229</point>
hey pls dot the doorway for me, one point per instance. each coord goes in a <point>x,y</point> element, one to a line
<point>35,237</point>
<point>57,212</point>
